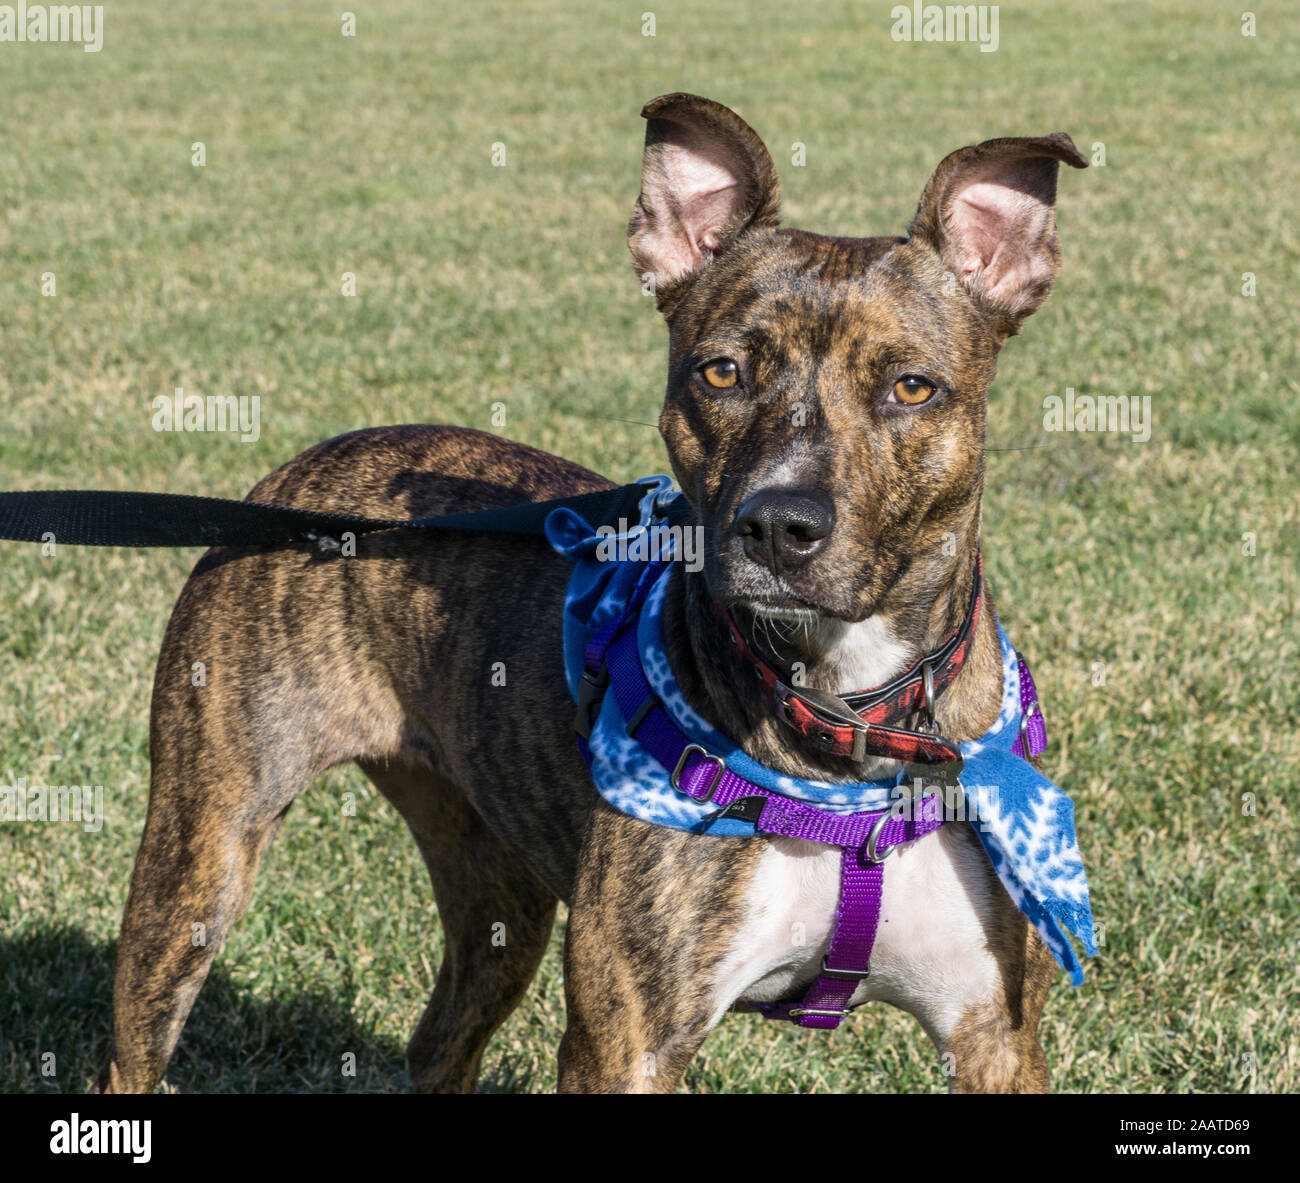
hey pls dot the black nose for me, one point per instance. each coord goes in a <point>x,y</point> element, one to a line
<point>783,530</point>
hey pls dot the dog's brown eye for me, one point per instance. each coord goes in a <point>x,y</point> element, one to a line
<point>913,390</point>
<point>722,374</point>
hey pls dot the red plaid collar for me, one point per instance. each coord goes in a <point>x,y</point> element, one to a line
<point>865,723</point>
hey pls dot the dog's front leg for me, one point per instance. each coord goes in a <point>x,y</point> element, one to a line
<point>653,915</point>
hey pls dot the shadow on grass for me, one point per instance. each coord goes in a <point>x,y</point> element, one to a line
<point>56,1023</point>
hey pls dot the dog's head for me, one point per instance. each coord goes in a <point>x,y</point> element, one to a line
<point>826,396</point>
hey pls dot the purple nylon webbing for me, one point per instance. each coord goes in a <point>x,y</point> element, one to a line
<point>857,918</point>
<point>1033,726</point>
<point>853,935</point>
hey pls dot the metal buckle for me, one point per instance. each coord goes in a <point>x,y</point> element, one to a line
<point>1025,716</point>
<point>943,775</point>
<point>676,778</point>
<point>830,705</point>
<point>848,975</point>
<point>812,1010</point>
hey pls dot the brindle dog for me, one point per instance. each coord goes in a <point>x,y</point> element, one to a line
<point>825,417</point>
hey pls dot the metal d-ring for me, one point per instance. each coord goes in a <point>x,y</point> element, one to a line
<point>874,837</point>
<point>927,690</point>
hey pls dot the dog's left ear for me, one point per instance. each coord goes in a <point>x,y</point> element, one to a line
<point>990,213</point>
<point>706,178</point>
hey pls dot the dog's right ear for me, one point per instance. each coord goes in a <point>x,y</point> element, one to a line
<point>706,178</point>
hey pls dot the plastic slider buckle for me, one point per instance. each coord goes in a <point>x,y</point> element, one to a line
<point>591,692</point>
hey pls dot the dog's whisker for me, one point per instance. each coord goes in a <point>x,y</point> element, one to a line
<point>620,419</point>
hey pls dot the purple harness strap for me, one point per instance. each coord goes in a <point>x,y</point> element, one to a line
<point>612,660</point>
<point>1032,740</point>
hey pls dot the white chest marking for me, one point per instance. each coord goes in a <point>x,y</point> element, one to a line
<point>931,956</point>
<point>861,655</point>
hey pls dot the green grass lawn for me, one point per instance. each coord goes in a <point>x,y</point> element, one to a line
<point>478,285</point>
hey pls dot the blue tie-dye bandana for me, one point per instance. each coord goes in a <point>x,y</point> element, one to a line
<point>1025,823</point>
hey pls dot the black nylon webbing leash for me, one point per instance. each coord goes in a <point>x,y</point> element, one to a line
<point>84,517</point>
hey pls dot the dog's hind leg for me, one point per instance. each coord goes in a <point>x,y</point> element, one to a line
<point>173,927</point>
<point>496,919</point>
<point>250,705</point>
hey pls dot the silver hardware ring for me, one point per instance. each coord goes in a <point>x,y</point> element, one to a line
<point>874,837</point>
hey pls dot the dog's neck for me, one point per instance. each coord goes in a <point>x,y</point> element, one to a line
<point>926,606</point>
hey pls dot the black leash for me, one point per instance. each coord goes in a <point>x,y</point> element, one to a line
<point>84,517</point>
